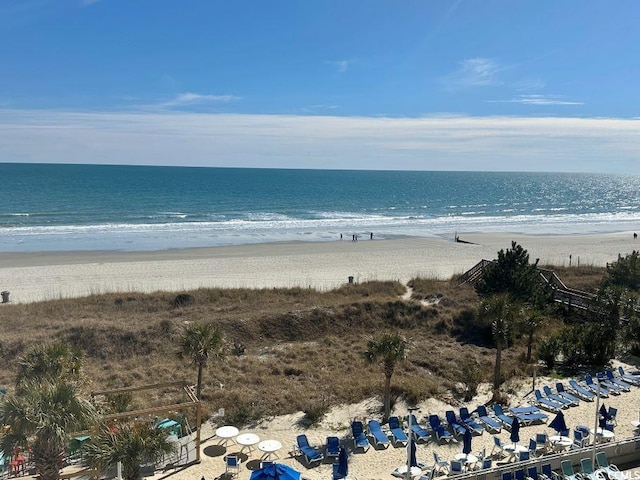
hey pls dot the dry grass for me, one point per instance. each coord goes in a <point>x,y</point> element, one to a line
<point>295,349</point>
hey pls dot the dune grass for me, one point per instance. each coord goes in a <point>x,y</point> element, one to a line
<point>287,349</point>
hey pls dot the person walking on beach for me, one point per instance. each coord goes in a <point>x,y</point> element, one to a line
<point>371,238</point>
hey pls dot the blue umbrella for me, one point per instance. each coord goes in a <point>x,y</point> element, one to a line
<point>466,439</point>
<point>603,412</point>
<point>515,431</point>
<point>341,469</point>
<point>558,423</point>
<point>412,453</point>
<point>275,471</point>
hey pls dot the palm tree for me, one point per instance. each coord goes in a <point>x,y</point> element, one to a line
<point>500,310</point>
<point>44,414</point>
<point>388,349</point>
<point>49,362</point>
<point>131,444</point>
<point>533,319</point>
<point>200,342</point>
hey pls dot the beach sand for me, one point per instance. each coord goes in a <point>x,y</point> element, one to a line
<point>31,277</point>
<point>378,464</point>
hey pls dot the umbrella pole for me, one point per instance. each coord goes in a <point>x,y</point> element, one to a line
<point>595,430</point>
<point>411,410</point>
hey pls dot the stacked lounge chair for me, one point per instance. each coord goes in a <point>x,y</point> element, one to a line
<point>470,423</point>
<point>559,398</point>
<point>628,377</point>
<point>490,422</point>
<point>547,403</point>
<point>529,415</point>
<point>439,431</point>
<point>580,391</point>
<point>564,394</point>
<point>457,428</point>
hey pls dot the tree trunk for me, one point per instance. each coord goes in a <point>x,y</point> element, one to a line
<point>529,346</point>
<point>47,458</point>
<point>496,371</point>
<point>199,387</point>
<point>387,397</point>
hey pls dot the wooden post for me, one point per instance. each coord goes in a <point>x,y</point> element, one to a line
<point>198,421</point>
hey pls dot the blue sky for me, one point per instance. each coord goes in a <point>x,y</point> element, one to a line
<point>542,85</point>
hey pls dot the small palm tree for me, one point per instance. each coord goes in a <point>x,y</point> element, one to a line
<point>533,320</point>
<point>44,414</point>
<point>500,310</point>
<point>49,362</point>
<point>200,342</point>
<point>388,349</point>
<point>131,444</point>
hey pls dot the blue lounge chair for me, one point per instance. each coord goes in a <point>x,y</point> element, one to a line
<point>419,433</point>
<point>610,469</point>
<point>533,447</point>
<point>567,471</point>
<point>519,474</point>
<point>468,420</point>
<point>397,434</point>
<point>310,454</point>
<point>380,438</point>
<point>332,447</point>
<point>579,439</point>
<point>618,381</point>
<point>506,421</point>
<point>360,440</point>
<point>232,466</point>
<point>613,388</point>
<point>589,472</point>
<point>559,398</point>
<point>581,391</point>
<point>507,475</point>
<point>528,415</point>
<point>564,394</point>
<point>457,428</point>
<point>489,422</point>
<point>628,377</point>
<point>547,403</point>
<point>441,434</point>
<point>487,463</point>
<point>588,380</point>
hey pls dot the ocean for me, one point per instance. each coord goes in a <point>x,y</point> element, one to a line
<point>46,207</point>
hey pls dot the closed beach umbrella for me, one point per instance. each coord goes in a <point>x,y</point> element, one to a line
<point>603,412</point>
<point>466,442</point>
<point>276,471</point>
<point>558,423</point>
<point>515,431</point>
<point>343,464</point>
<point>413,462</point>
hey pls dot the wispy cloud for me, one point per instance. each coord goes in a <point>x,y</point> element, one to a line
<point>173,137</point>
<point>341,66</point>
<point>538,100</point>
<point>475,72</point>
<point>189,99</point>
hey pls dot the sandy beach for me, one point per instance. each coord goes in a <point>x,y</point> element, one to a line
<point>31,277</point>
<point>379,463</point>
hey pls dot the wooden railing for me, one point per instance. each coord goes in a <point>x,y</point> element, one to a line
<point>561,293</point>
